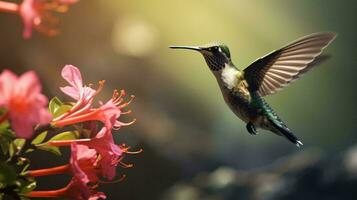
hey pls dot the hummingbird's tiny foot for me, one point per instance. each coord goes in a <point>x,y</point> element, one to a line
<point>299,143</point>
<point>251,128</point>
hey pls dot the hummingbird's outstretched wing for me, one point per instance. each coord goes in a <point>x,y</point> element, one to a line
<point>276,70</point>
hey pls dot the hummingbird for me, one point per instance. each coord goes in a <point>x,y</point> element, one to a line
<point>243,90</point>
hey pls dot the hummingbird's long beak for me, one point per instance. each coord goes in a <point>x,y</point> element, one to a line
<point>186,47</point>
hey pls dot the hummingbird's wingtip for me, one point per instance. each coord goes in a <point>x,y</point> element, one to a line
<point>299,143</point>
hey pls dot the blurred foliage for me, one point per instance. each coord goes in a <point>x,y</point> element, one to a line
<point>309,175</point>
<point>183,123</point>
<point>13,166</point>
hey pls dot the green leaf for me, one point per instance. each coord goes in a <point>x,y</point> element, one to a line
<point>28,187</point>
<point>11,151</point>
<point>6,137</point>
<point>5,130</point>
<point>7,174</point>
<point>61,110</point>
<point>39,138</point>
<point>4,144</point>
<point>68,135</point>
<point>49,148</point>
<point>19,144</point>
<point>29,150</point>
<point>54,105</point>
<point>4,148</point>
<point>4,125</point>
<point>57,107</point>
<point>7,133</point>
<point>16,146</point>
<point>24,170</point>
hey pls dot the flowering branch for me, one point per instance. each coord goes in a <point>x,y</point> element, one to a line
<point>94,153</point>
<point>38,14</point>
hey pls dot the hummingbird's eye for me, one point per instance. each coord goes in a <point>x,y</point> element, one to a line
<point>214,48</point>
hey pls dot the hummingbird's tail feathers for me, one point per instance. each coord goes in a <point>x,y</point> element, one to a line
<point>284,131</point>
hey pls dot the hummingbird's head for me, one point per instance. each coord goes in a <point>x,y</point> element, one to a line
<point>217,55</point>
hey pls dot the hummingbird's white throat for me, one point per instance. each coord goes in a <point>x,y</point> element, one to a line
<point>228,76</point>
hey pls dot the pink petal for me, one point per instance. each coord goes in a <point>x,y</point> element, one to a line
<point>110,112</point>
<point>44,116</point>
<point>22,127</point>
<point>28,85</point>
<point>98,195</point>
<point>76,170</point>
<point>78,190</point>
<point>88,93</point>
<point>28,14</point>
<point>104,144</point>
<point>22,98</point>
<point>41,100</point>
<point>73,76</point>
<point>7,81</point>
<point>71,91</point>
<point>108,165</point>
<point>85,153</point>
<point>86,159</point>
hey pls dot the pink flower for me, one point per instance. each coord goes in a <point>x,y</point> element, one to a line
<point>110,153</point>
<point>84,169</point>
<point>104,113</point>
<point>83,110</point>
<point>83,94</point>
<point>83,163</point>
<point>38,14</point>
<point>76,90</point>
<point>103,143</point>
<point>25,104</point>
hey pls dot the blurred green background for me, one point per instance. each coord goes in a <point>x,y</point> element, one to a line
<point>184,126</point>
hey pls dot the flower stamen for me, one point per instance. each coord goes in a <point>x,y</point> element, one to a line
<point>132,97</point>
<point>126,112</point>
<point>124,165</point>
<point>100,87</point>
<point>128,123</point>
<point>125,149</point>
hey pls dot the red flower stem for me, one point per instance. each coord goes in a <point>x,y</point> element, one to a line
<point>9,7</point>
<point>49,171</point>
<point>82,118</point>
<point>60,143</point>
<point>49,193</point>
